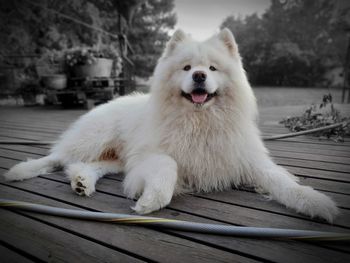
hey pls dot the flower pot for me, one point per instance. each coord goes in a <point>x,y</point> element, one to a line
<point>102,67</point>
<point>57,81</point>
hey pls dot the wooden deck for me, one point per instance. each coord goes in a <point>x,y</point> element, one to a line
<point>26,237</point>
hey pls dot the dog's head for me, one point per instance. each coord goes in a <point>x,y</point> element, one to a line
<point>201,74</point>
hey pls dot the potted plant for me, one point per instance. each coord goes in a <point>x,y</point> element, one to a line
<point>93,62</point>
<point>50,69</point>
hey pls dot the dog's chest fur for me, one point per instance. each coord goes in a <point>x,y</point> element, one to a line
<point>204,148</point>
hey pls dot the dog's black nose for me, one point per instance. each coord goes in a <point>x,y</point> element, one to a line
<point>199,76</point>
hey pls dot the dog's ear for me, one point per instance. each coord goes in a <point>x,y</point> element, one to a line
<point>229,41</point>
<point>178,37</point>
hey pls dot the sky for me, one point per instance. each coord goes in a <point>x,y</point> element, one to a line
<point>202,18</point>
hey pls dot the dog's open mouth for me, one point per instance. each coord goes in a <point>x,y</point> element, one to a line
<point>198,96</point>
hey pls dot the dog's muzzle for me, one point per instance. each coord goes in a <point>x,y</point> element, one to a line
<point>198,95</point>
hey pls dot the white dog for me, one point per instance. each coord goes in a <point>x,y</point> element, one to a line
<point>195,131</point>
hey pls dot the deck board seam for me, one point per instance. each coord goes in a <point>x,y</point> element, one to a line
<point>21,252</point>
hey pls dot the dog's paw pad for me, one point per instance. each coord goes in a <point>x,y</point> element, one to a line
<point>79,191</point>
<point>82,186</point>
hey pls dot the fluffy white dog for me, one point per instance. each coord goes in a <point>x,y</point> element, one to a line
<point>195,131</point>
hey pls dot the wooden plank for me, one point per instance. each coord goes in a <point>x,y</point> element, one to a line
<point>26,149</point>
<point>18,145</point>
<point>36,124</point>
<point>9,154</point>
<point>40,117</point>
<point>254,200</point>
<point>323,152</point>
<point>29,135</point>
<point>316,173</point>
<point>52,244</point>
<point>24,130</point>
<point>326,185</point>
<point>310,146</point>
<point>313,164</point>
<point>319,142</point>
<point>269,250</point>
<point>311,157</point>
<point>10,256</point>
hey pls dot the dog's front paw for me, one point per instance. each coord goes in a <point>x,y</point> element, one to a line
<point>315,204</point>
<point>152,200</point>
<point>81,180</point>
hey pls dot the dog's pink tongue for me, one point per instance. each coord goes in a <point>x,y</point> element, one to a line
<point>199,98</point>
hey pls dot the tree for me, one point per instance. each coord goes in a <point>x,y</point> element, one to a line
<point>149,33</point>
<point>293,43</point>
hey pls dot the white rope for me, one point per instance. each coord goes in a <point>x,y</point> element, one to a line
<point>294,134</point>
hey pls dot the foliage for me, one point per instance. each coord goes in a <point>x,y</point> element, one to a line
<point>30,88</point>
<point>33,30</point>
<point>149,33</point>
<point>319,116</point>
<point>87,56</point>
<point>29,29</point>
<point>293,43</point>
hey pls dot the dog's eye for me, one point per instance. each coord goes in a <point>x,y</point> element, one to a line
<point>212,68</point>
<point>187,68</point>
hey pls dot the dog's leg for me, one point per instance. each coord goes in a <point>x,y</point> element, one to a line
<point>83,176</point>
<point>153,180</point>
<point>282,187</point>
<point>33,168</point>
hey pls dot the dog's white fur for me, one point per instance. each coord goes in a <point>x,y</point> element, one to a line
<point>168,145</point>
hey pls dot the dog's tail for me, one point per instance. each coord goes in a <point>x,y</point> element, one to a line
<point>33,168</point>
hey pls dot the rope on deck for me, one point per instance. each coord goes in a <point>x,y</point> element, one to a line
<point>294,134</point>
<point>163,223</point>
<point>270,138</point>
